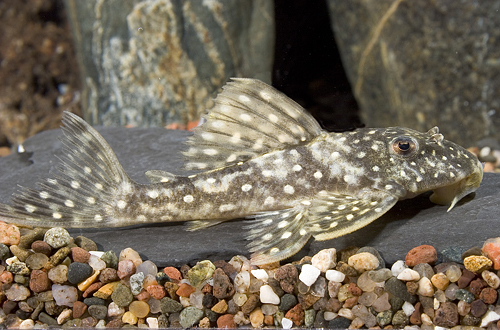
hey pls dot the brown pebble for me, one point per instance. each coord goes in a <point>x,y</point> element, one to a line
<point>354,289</point>
<point>80,255</point>
<point>488,295</point>
<point>156,291</point>
<point>171,289</point>
<point>57,257</point>
<point>446,315</point>
<point>225,266</point>
<point>85,243</point>
<point>465,279</point>
<point>126,268</point>
<point>269,320</point>
<point>252,302</point>
<point>220,307</point>
<point>79,308</point>
<point>226,321</point>
<point>185,290</point>
<point>296,314</point>
<point>41,247</point>
<point>89,322</point>
<point>307,300</point>
<point>349,271</point>
<point>350,302</point>
<point>108,275</point>
<point>115,323</point>
<point>222,287</point>
<point>184,270</point>
<point>39,281</point>
<point>6,277</point>
<point>92,288</point>
<point>333,305</point>
<point>143,295</point>
<point>173,273</point>
<point>477,286</point>
<point>421,254</point>
<point>415,317</point>
<point>207,288</point>
<point>478,308</point>
<point>412,287</point>
<point>287,276</point>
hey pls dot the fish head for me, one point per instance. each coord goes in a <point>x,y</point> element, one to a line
<point>421,162</point>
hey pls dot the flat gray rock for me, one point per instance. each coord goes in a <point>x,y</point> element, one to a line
<point>410,223</point>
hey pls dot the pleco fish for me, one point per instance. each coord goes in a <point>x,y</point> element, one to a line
<point>263,157</point>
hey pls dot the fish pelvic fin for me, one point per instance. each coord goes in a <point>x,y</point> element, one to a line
<point>82,192</point>
<point>277,235</point>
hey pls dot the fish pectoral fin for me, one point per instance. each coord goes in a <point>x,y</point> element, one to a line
<point>249,118</point>
<point>158,176</point>
<point>202,224</point>
<point>332,215</point>
<point>277,235</point>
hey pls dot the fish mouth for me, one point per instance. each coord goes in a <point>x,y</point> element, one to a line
<point>451,194</point>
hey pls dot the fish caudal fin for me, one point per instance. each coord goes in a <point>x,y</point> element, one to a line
<point>81,193</point>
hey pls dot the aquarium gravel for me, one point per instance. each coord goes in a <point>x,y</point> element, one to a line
<point>51,279</point>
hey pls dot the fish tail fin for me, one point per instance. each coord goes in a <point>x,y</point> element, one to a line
<point>83,191</point>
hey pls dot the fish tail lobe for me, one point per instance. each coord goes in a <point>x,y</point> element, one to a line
<point>82,193</point>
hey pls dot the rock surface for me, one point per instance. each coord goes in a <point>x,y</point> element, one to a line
<point>423,64</point>
<point>153,63</point>
<point>409,224</point>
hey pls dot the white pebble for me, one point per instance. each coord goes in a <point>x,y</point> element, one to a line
<point>267,295</point>
<point>408,275</point>
<point>27,324</point>
<point>491,278</point>
<point>347,313</point>
<point>147,267</point>
<point>97,253</point>
<point>408,308</point>
<point>335,276</point>
<point>398,267</point>
<point>96,263</point>
<point>325,259</point>
<point>426,319</point>
<point>152,322</point>
<point>328,316</point>
<point>64,295</point>
<point>242,281</point>
<point>286,323</point>
<point>490,316</point>
<point>363,262</point>
<point>64,316</point>
<point>425,287</point>
<point>260,274</point>
<point>101,324</point>
<point>309,274</point>
<point>115,310</point>
<point>11,260</point>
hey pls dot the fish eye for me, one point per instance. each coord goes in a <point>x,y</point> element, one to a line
<point>404,146</point>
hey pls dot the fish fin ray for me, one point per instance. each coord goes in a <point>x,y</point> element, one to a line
<point>202,224</point>
<point>277,235</point>
<point>249,118</point>
<point>333,215</point>
<point>158,176</point>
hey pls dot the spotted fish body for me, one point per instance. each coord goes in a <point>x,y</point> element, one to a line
<point>261,157</point>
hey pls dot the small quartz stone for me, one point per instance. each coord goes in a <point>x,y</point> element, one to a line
<point>489,317</point>
<point>17,292</point>
<point>96,263</point>
<point>440,281</point>
<point>260,274</point>
<point>126,268</point>
<point>64,295</point>
<point>130,254</point>
<point>335,275</point>
<point>398,267</point>
<point>325,259</point>
<point>267,295</point>
<point>129,318</point>
<point>309,274</point>
<point>367,298</point>
<point>242,281</point>
<point>36,260</point>
<point>425,287</point>
<point>147,267</point>
<point>491,278</point>
<point>363,261</point>
<point>57,237</point>
<point>139,308</point>
<point>408,275</point>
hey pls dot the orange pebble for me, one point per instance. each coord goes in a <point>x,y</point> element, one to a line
<point>185,290</point>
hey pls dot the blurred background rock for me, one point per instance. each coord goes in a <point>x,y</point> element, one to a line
<point>160,62</point>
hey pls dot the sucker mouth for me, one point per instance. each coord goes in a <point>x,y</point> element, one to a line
<point>451,194</point>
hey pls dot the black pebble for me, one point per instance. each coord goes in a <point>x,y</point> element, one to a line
<point>339,323</point>
<point>78,271</point>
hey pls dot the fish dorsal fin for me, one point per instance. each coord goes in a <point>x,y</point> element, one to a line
<point>158,176</point>
<point>249,118</point>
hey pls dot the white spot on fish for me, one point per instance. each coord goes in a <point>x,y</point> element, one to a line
<point>388,186</point>
<point>97,217</point>
<point>334,224</point>
<point>267,173</point>
<point>211,180</point>
<point>153,194</point>
<point>375,168</point>
<point>188,198</point>
<point>297,168</point>
<point>341,207</point>
<point>244,98</point>
<point>121,204</point>
<point>75,184</point>
<point>351,179</point>
<point>267,222</point>
<point>374,203</point>
<point>286,235</point>
<point>269,200</point>
<point>294,152</point>
<point>375,147</point>
<point>91,200</point>
<point>228,207</point>
<point>44,194</point>
<point>57,215</point>
<point>246,187</point>
<point>210,152</point>
<point>283,224</point>
<point>267,237</point>
<point>288,189</point>
<point>355,208</point>
<point>274,250</point>
<point>231,158</point>
<point>335,155</point>
<point>99,186</point>
<point>265,95</point>
<point>69,203</point>
<point>349,217</point>
<point>30,208</point>
<point>273,118</point>
<point>302,232</point>
<point>378,210</point>
<point>452,175</point>
<point>141,218</point>
<point>207,136</point>
<point>236,138</point>
<point>87,170</point>
<point>318,175</point>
